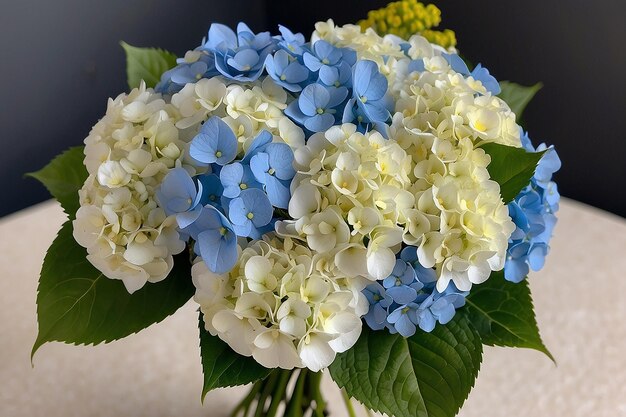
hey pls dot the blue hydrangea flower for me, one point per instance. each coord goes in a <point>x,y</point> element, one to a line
<point>188,73</point>
<point>417,65</point>
<point>317,106</point>
<point>370,102</point>
<point>533,212</point>
<point>173,80</point>
<point>339,76</point>
<point>257,145</point>
<point>216,241</point>
<point>456,63</point>
<point>291,42</point>
<point>273,168</point>
<point>489,81</point>
<point>379,301</point>
<point>516,268</point>
<point>439,307</point>
<point>178,192</point>
<point>236,177</point>
<point>215,143</point>
<point>286,70</point>
<point>402,285</point>
<point>239,56</point>
<point>211,189</point>
<point>408,299</point>
<point>404,319</point>
<point>249,212</point>
<point>324,54</point>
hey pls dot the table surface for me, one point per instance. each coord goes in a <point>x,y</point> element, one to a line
<point>579,306</point>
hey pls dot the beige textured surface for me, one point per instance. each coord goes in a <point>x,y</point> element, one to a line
<point>578,297</point>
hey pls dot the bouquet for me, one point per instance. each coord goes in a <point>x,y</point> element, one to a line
<point>360,202</point>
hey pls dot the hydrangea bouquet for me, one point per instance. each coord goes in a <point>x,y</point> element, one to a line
<point>360,202</point>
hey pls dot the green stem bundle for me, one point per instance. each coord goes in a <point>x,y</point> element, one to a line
<point>266,396</point>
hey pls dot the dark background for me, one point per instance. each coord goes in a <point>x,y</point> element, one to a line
<point>62,59</point>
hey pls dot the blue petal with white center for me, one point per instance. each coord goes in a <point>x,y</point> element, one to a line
<point>215,143</point>
<point>291,42</point>
<point>239,56</point>
<point>236,177</point>
<point>277,189</point>
<point>177,193</point>
<point>249,212</point>
<point>216,241</point>
<point>370,102</point>
<point>317,106</point>
<point>286,70</point>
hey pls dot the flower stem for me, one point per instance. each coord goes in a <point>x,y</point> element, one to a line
<point>316,393</point>
<point>268,388</point>
<point>346,400</point>
<point>280,391</point>
<point>244,405</point>
<point>295,406</point>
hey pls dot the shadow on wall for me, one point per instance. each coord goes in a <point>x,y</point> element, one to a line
<point>62,60</point>
<point>65,61</point>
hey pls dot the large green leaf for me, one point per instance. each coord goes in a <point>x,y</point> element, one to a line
<point>426,375</point>
<point>223,367</point>
<point>503,314</point>
<point>511,167</point>
<point>63,177</point>
<point>146,64</point>
<point>518,96</point>
<point>77,304</point>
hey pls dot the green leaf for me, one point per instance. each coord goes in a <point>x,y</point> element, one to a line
<point>77,304</point>
<point>223,367</point>
<point>511,167</point>
<point>518,96</point>
<point>503,314</point>
<point>146,64</point>
<point>426,375</point>
<point>63,177</point>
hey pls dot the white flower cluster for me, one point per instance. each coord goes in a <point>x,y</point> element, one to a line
<point>131,149</point>
<point>363,195</point>
<point>437,100</point>
<point>448,105</point>
<point>426,186</point>
<point>127,153</point>
<point>368,44</point>
<point>282,304</point>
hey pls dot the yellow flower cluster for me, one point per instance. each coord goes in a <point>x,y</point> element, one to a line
<point>409,17</point>
<point>445,38</point>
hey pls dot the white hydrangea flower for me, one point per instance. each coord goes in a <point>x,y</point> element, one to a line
<point>362,196</point>
<point>127,154</point>
<point>282,304</point>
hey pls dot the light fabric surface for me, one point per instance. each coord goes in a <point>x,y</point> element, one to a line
<point>578,298</point>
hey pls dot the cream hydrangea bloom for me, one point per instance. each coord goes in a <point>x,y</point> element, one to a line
<point>130,150</point>
<point>426,186</point>
<point>283,304</point>
<point>363,196</point>
<point>127,154</point>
